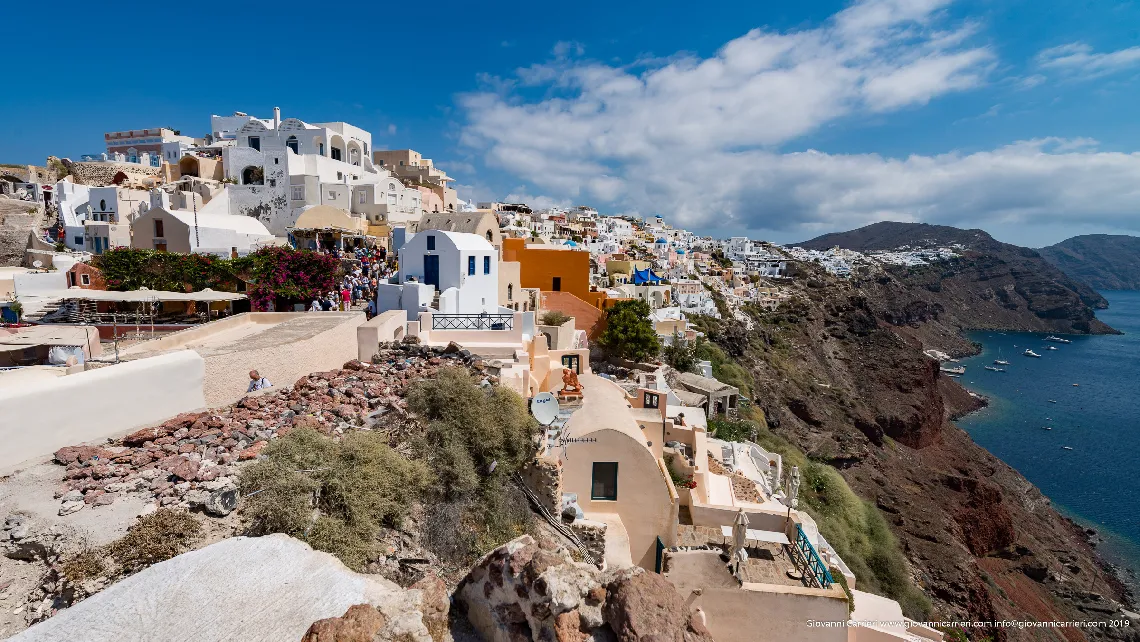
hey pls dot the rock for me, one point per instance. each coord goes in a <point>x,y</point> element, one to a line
<point>196,497</point>
<point>358,624</point>
<point>68,508</point>
<point>646,606</point>
<point>221,502</point>
<point>452,348</point>
<point>187,470</point>
<point>72,496</point>
<point>105,499</point>
<point>435,605</point>
<point>253,451</point>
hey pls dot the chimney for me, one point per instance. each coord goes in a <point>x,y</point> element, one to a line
<point>276,118</point>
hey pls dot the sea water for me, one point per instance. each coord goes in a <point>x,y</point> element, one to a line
<point>1097,482</point>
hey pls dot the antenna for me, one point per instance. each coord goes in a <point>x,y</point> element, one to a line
<point>544,407</point>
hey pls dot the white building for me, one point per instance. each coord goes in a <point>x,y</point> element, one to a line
<point>183,232</point>
<point>97,218</point>
<point>459,271</point>
<point>280,167</point>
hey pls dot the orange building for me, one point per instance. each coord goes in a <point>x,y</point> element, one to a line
<point>558,270</point>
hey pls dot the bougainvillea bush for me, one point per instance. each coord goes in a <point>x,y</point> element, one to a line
<point>283,275</point>
<point>276,276</point>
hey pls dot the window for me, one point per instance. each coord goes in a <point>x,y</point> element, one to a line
<point>255,142</point>
<point>604,481</point>
<point>273,182</point>
<point>336,153</point>
<point>276,161</point>
<point>510,291</point>
<point>557,287</point>
<point>292,144</point>
<point>102,205</point>
<point>431,242</point>
<point>470,265</point>
<point>78,240</point>
<point>340,176</point>
<point>158,228</point>
<point>488,233</point>
<point>298,192</point>
<point>332,195</point>
<point>85,279</point>
<point>486,265</point>
<point>652,400</point>
<point>360,199</point>
<point>321,148</point>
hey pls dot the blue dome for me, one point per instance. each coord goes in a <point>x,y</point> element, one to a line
<point>571,244</point>
<point>661,241</point>
<point>680,251</point>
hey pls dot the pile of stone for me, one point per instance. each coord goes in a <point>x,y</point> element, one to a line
<point>528,590</point>
<point>191,461</point>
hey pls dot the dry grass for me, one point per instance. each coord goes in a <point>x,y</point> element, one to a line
<point>85,565</point>
<point>155,538</point>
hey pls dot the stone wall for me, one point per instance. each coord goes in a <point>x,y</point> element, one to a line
<point>18,219</point>
<point>101,174</point>
<point>544,477</point>
<point>593,536</point>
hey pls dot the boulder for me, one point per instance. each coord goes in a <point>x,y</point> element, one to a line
<point>646,606</point>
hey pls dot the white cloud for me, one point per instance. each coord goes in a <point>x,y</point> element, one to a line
<point>1078,59</point>
<point>391,130</point>
<point>700,140</point>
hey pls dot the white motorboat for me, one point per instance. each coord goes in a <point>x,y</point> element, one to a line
<point>1001,362</point>
<point>1030,353</point>
<point>1051,348</point>
<point>1067,447</point>
<point>994,369</point>
<point>1056,339</point>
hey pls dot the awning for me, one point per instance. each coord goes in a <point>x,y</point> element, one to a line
<point>138,296</point>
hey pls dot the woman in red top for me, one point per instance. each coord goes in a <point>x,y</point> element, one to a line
<point>345,298</point>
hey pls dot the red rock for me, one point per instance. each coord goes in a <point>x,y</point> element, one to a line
<point>187,470</point>
<point>92,495</point>
<point>209,473</point>
<point>250,402</point>
<point>141,458</point>
<point>140,437</point>
<point>106,499</point>
<point>81,454</point>
<point>361,623</point>
<point>253,451</point>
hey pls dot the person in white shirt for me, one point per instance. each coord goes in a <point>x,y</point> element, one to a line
<point>257,382</point>
<point>315,307</point>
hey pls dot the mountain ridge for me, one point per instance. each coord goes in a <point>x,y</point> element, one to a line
<point>1102,261</point>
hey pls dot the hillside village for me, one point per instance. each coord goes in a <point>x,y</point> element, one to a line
<point>189,312</point>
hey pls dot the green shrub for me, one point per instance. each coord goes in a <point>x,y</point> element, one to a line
<point>334,495</point>
<point>629,333</point>
<point>554,317</point>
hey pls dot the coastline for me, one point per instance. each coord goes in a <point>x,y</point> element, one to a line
<point>1117,554</point>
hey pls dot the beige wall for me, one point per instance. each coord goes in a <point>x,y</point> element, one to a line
<point>91,405</point>
<point>772,613</point>
<point>509,275</point>
<point>228,363</point>
<point>176,233</point>
<point>645,503</point>
<point>387,326</point>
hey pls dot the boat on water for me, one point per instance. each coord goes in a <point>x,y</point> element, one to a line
<point>994,369</point>
<point>1047,427</point>
<point>960,370</point>
<point>1067,447</point>
<point>1052,401</point>
<point>1056,339</point>
<point>1051,348</point>
<point>1001,362</point>
<point>1030,353</point>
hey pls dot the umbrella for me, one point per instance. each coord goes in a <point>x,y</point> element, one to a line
<point>794,487</point>
<point>739,532</point>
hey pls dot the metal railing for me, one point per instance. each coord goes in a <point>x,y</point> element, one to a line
<point>472,321</point>
<point>815,573</point>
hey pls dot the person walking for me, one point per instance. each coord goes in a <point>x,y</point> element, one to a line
<point>345,298</point>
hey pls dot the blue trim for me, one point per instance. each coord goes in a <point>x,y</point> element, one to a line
<point>815,564</point>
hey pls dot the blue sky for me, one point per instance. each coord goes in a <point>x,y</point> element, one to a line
<point>765,118</point>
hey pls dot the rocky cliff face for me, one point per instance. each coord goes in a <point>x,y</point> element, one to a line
<point>18,219</point>
<point>839,371</point>
<point>1102,261</point>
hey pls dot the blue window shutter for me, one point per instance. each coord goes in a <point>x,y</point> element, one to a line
<point>470,265</point>
<point>486,265</point>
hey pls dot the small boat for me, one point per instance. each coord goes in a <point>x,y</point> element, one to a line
<point>1076,384</point>
<point>993,369</point>
<point>1051,348</point>
<point>1047,427</point>
<point>1067,447</point>
<point>1030,353</point>
<point>1001,362</point>
<point>1052,401</point>
<point>1056,339</point>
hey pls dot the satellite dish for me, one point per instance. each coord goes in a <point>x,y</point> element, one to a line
<point>37,263</point>
<point>544,407</point>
